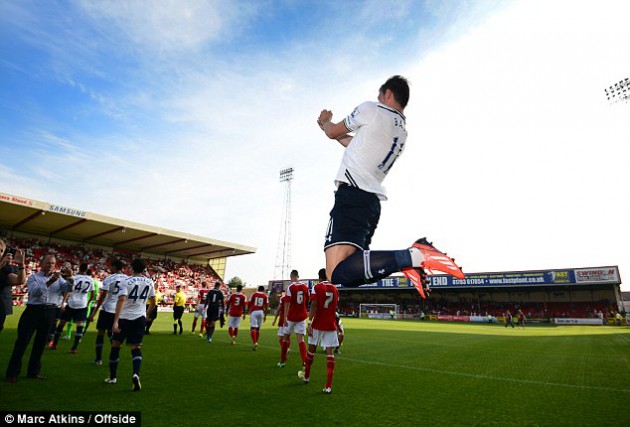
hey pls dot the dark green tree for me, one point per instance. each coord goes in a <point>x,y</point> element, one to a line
<point>235,281</point>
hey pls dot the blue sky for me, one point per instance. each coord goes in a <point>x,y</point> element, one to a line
<point>180,114</point>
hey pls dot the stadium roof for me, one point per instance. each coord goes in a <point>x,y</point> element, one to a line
<point>20,214</point>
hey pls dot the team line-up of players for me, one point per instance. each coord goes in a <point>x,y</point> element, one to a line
<point>128,307</point>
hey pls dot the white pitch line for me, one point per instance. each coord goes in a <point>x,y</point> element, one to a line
<point>484,377</point>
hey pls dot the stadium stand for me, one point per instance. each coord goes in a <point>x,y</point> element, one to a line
<point>542,295</point>
<point>77,236</point>
<point>166,273</point>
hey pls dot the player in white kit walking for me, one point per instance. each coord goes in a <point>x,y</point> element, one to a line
<point>76,306</point>
<point>130,320</point>
<point>107,299</point>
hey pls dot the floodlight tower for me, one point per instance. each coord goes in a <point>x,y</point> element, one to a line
<point>283,253</point>
<point>620,91</point>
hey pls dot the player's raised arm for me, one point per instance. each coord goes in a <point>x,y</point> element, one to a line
<point>337,131</point>
<point>21,275</point>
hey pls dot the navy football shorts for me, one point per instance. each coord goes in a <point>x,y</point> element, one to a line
<point>131,331</point>
<point>105,321</point>
<point>353,218</point>
<point>213,313</point>
<point>74,314</point>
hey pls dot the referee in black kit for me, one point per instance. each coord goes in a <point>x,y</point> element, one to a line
<point>44,290</point>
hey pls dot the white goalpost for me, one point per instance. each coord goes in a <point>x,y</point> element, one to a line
<point>378,311</point>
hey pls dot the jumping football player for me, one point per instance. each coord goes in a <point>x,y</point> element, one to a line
<point>380,138</point>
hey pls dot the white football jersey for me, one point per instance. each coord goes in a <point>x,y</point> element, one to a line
<point>379,139</point>
<point>111,284</point>
<point>78,298</point>
<point>138,290</point>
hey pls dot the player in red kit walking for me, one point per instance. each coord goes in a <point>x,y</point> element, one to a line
<point>201,309</point>
<point>281,322</point>
<point>258,306</point>
<point>295,314</point>
<point>235,305</point>
<point>323,329</point>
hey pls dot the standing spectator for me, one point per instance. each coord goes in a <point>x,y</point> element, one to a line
<point>508,319</point>
<point>521,319</point>
<point>10,275</point>
<point>45,290</point>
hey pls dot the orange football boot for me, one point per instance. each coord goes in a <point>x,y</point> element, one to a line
<point>436,260</point>
<point>418,277</point>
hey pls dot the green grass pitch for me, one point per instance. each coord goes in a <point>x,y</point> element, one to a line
<point>389,373</point>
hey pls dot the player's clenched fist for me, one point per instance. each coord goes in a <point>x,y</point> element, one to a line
<point>324,116</point>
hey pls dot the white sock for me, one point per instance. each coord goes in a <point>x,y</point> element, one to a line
<point>416,257</point>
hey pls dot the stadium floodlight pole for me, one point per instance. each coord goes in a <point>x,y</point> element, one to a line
<point>619,91</point>
<point>283,253</point>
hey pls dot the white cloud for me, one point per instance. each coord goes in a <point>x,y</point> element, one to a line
<point>169,25</point>
<point>512,119</point>
<point>508,113</point>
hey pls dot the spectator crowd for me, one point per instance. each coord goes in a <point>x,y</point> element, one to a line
<point>166,273</point>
